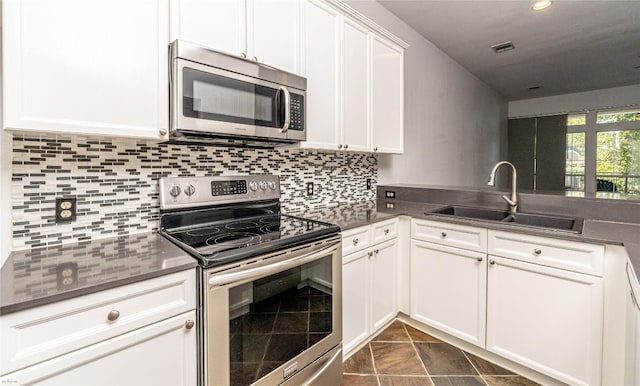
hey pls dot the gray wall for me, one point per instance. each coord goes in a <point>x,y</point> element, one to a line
<point>455,125</point>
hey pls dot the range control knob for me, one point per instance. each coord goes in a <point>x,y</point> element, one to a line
<point>253,185</point>
<point>174,190</point>
<point>263,185</point>
<point>189,190</point>
<point>272,185</point>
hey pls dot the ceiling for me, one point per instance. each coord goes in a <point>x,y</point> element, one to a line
<point>569,47</point>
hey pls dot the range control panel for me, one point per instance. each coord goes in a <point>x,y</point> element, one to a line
<point>191,192</point>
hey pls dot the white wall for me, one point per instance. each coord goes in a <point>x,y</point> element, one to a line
<point>455,125</point>
<point>5,182</point>
<point>589,100</point>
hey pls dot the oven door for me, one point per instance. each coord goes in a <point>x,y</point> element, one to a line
<point>207,99</point>
<point>275,317</point>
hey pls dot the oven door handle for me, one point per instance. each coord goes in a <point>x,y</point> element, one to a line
<point>254,273</point>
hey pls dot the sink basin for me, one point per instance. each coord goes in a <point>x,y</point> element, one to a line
<point>566,224</point>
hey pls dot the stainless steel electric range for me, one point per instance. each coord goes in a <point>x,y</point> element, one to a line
<point>270,306</point>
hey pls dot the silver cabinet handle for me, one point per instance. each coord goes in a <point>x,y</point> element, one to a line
<point>537,251</point>
<point>163,132</point>
<point>492,262</point>
<point>189,324</point>
<point>375,149</point>
<point>340,147</point>
<point>376,251</point>
<point>346,146</point>
<point>443,235</point>
<point>113,315</point>
<point>479,259</point>
<point>244,55</point>
<point>386,232</point>
<point>370,254</point>
<point>355,242</point>
<point>255,58</point>
<point>287,109</point>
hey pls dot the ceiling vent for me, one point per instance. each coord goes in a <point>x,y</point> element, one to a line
<point>534,87</point>
<point>502,47</point>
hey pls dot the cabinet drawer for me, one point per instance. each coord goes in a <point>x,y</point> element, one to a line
<point>356,239</point>
<point>41,333</point>
<point>453,235</point>
<point>564,254</point>
<point>385,230</point>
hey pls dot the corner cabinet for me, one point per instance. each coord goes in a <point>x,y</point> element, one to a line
<point>143,333</point>
<point>245,28</point>
<point>95,68</point>
<point>369,280</point>
<point>354,70</point>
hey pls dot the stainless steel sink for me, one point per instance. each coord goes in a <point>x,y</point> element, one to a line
<point>566,224</point>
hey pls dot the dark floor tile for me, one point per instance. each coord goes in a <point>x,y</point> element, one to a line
<point>444,359</point>
<point>457,381</point>
<point>248,347</point>
<point>317,292</point>
<point>243,373</point>
<point>283,347</point>
<point>267,305</point>
<point>292,322</point>
<point>294,303</point>
<point>419,336</point>
<point>320,303</point>
<point>396,359</point>
<point>486,367</point>
<point>359,380</point>
<point>396,380</point>
<point>257,323</point>
<point>513,380</point>
<point>360,363</point>
<point>320,321</point>
<point>394,333</point>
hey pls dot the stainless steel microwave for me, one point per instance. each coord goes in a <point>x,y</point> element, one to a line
<point>225,100</point>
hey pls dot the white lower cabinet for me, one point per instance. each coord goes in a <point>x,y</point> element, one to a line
<point>448,290</point>
<point>164,353</point>
<point>369,285</point>
<point>143,333</point>
<point>547,319</point>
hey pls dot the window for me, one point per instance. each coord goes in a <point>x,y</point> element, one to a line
<point>618,116</point>
<point>576,119</point>
<point>574,174</point>
<point>618,161</point>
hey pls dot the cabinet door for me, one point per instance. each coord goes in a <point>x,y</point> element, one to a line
<point>355,299</point>
<point>387,97</point>
<point>216,24</point>
<point>273,28</point>
<point>547,319</point>
<point>321,47</point>
<point>448,290</point>
<point>163,353</point>
<point>383,283</point>
<point>355,86</point>
<point>86,67</point>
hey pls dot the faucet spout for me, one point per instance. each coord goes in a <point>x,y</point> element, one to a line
<point>513,200</point>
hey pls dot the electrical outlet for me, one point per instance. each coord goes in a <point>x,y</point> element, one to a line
<point>309,188</point>
<point>368,183</point>
<point>67,275</point>
<point>390,194</point>
<point>65,209</point>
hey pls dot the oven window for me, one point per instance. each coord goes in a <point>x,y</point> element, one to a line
<point>214,97</point>
<point>274,319</point>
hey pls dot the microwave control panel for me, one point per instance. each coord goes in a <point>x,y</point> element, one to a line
<point>297,112</point>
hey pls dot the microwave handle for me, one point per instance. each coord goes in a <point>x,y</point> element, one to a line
<point>287,109</point>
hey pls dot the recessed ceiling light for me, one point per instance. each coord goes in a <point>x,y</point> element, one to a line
<point>540,5</point>
<point>502,47</point>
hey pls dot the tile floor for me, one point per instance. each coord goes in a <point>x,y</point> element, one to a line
<point>403,356</point>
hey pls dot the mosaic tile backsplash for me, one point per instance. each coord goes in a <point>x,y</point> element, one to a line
<point>115,182</point>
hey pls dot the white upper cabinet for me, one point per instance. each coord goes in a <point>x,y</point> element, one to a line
<point>355,86</point>
<point>218,24</point>
<point>262,30</point>
<point>86,67</point>
<point>321,61</point>
<point>387,97</point>
<point>354,71</point>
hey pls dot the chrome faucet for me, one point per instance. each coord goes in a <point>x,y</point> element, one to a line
<point>513,201</point>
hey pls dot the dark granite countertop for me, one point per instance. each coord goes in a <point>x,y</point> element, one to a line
<point>35,277</point>
<point>353,215</point>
